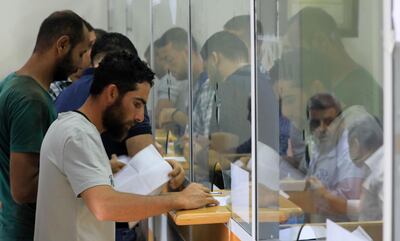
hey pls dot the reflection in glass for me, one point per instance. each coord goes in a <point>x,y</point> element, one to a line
<point>330,121</point>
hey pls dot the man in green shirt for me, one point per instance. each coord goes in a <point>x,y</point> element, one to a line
<point>26,112</point>
<point>314,30</point>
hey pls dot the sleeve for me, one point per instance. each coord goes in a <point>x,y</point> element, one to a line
<point>28,124</point>
<point>85,163</point>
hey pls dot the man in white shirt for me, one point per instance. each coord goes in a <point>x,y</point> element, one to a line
<point>76,199</point>
<point>330,165</point>
<point>366,151</point>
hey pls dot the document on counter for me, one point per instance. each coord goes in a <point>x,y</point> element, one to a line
<point>143,174</point>
<point>335,232</point>
<point>240,192</point>
<point>223,200</point>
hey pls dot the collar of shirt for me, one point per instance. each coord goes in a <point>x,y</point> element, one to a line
<point>88,71</point>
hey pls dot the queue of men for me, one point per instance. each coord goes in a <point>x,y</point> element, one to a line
<point>75,198</point>
<point>100,88</point>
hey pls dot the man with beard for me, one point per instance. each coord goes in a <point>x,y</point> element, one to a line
<point>330,165</point>
<point>75,171</point>
<point>139,136</point>
<point>59,85</point>
<point>26,112</point>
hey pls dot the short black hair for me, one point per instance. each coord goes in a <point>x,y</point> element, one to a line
<point>58,24</point>
<point>300,67</point>
<point>313,20</point>
<point>323,101</point>
<point>227,44</point>
<point>112,42</point>
<point>88,25</point>
<point>123,69</point>
<point>368,132</point>
<point>241,23</point>
<point>178,37</point>
<point>99,33</point>
<point>157,44</point>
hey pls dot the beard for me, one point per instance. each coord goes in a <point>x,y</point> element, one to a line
<point>64,68</point>
<point>113,122</point>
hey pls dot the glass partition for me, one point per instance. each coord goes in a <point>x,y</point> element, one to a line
<point>221,74</point>
<point>268,147</point>
<point>328,83</point>
<point>317,103</point>
<point>170,61</point>
<point>396,169</point>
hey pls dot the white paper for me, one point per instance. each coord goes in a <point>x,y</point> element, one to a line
<point>268,165</point>
<point>284,194</point>
<point>240,193</point>
<point>223,200</point>
<point>144,174</point>
<point>124,159</point>
<point>176,158</point>
<point>335,232</point>
<point>308,232</point>
<point>361,233</point>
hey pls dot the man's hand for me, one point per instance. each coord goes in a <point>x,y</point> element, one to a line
<point>165,116</point>
<point>116,165</point>
<point>316,187</point>
<point>195,196</point>
<point>177,175</point>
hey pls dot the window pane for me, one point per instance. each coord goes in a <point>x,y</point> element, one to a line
<point>267,166</point>
<point>326,75</point>
<point>221,101</point>
<point>171,91</point>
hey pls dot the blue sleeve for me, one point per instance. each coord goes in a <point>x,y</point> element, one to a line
<point>75,95</point>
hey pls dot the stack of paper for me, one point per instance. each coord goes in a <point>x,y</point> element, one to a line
<point>335,232</point>
<point>144,174</point>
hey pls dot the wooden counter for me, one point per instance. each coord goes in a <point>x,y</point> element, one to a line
<point>222,214</point>
<point>209,215</point>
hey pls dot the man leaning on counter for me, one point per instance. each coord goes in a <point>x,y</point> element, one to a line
<point>76,199</point>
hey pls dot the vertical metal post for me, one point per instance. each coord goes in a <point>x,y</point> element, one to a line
<point>191,154</point>
<point>253,62</point>
<point>388,44</point>
<point>154,90</point>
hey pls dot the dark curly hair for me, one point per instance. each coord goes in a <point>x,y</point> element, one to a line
<point>123,69</point>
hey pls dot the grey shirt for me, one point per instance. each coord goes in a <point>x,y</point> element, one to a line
<point>72,160</point>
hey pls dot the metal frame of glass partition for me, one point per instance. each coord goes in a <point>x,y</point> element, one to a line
<point>388,89</point>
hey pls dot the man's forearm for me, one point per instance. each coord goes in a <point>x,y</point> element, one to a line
<point>125,207</point>
<point>137,143</point>
<point>24,176</point>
